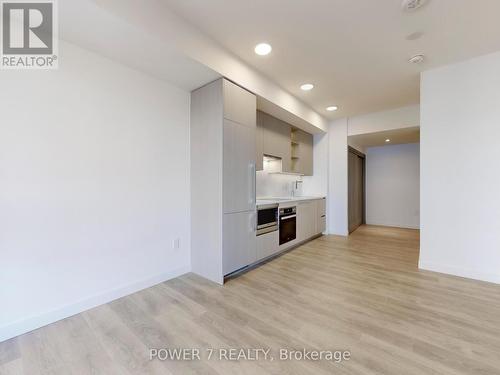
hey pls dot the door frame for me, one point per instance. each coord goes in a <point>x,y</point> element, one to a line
<point>363,158</point>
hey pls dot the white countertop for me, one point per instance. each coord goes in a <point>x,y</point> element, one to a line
<point>284,200</point>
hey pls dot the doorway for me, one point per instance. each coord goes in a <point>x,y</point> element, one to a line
<point>356,189</point>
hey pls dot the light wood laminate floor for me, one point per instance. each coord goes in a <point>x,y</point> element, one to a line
<point>363,294</point>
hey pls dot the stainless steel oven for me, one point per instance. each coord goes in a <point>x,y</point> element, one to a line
<point>267,219</point>
<point>288,224</point>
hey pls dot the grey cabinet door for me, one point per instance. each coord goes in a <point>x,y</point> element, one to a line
<point>306,220</point>
<point>240,105</point>
<point>320,216</point>
<point>239,245</point>
<point>277,140</point>
<point>259,139</point>
<point>312,222</point>
<point>321,225</point>
<point>301,221</point>
<point>267,245</point>
<point>238,167</point>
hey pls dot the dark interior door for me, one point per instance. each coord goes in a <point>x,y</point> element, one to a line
<point>356,189</point>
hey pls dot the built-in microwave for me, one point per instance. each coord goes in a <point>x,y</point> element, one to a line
<point>267,219</point>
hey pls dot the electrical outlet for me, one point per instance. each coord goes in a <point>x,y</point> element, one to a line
<point>176,243</point>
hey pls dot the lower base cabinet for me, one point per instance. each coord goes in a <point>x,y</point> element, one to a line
<point>321,224</point>
<point>311,221</point>
<point>321,215</point>
<point>306,220</point>
<point>267,245</point>
<point>239,241</point>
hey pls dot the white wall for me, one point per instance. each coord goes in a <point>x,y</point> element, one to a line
<point>337,178</point>
<point>94,176</point>
<point>332,159</point>
<point>317,184</point>
<point>460,179</point>
<point>276,185</point>
<point>393,185</point>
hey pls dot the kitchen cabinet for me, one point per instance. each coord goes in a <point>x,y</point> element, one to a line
<point>320,216</point>
<point>267,245</point>
<point>222,151</point>
<point>302,152</point>
<point>259,142</point>
<point>311,218</point>
<point>276,140</point>
<point>240,105</point>
<point>239,241</point>
<point>238,167</point>
<point>311,221</point>
<point>306,220</point>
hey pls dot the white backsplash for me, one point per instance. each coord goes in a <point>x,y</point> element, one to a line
<point>276,185</point>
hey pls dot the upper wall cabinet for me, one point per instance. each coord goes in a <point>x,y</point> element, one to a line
<point>239,105</point>
<point>302,152</point>
<point>276,135</point>
<point>259,145</point>
<point>277,138</point>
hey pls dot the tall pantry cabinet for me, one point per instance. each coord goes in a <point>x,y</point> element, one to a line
<point>223,211</point>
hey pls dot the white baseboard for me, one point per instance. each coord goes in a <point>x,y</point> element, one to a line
<point>335,232</point>
<point>459,271</point>
<point>29,324</point>
<point>392,225</point>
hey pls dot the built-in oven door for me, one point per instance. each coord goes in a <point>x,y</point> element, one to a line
<point>288,228</point>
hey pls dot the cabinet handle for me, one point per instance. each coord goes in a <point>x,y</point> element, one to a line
<point>251,168</point>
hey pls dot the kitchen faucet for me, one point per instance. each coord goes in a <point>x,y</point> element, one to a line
<point>295,186</point>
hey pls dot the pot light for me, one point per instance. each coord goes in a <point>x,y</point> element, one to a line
<point>332,108</point>
<point>307,87</point>
<point>263,49</point>
<point>412,5</point>
<point>387,140</point>
<point>417,59</point>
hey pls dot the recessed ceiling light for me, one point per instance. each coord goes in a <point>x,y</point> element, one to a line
<point>411,5</point>
<point>307,86</point>
<point>417,59</point>
<point>332,108</point>
<point>387,140</point>
<point>263,49</point>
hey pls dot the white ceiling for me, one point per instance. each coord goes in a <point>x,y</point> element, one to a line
<point>90,25</point>
<point>396,136</point>
<point>149,37</point>
<point>354,51</point>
